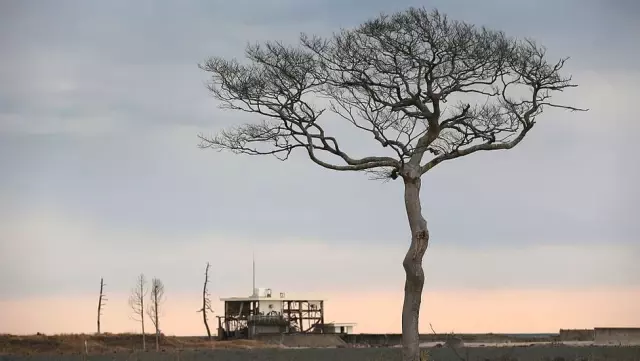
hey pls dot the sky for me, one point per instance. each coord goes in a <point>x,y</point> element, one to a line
<point>101,103</point>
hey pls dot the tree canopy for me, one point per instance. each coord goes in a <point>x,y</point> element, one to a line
<point>416,81</point>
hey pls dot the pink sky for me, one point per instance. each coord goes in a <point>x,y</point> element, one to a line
<point>509,289</point>
<point>457,311</point>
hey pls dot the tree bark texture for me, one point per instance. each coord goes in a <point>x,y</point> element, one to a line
<point>144,341</point>
<point>413,269</point>
<point>157,320</point>
<point>100,300</point>
<point>206,325</point>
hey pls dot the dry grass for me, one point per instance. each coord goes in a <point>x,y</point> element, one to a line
<point>112,343</point>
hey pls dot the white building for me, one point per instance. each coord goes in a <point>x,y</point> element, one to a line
<point>267,312</point>
<point>341,328</point>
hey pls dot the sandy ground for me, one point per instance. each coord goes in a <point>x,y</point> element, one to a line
<point>531,353</point>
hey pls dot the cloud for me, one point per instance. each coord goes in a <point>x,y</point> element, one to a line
<point>90,59</point>
<point>55,255</point>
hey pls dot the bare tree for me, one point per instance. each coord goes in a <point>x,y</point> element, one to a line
<point>136,302</point>
<point>425,88</point>
<point>102,299</point>
<point>157,297</point>
<point>206,301</point>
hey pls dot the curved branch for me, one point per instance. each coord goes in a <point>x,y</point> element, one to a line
<point>527,69</point>
<point>275,86</point>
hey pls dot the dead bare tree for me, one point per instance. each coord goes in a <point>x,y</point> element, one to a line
<point>451,345</point>
<point>426,88</point>
<point>206,301</point>
<point>102,299</point>
<point>136,302</point>
<point>157,297</point>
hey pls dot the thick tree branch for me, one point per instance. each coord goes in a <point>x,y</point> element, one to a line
<point>275,86</point>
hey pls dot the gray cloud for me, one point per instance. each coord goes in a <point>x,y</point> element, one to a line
<point>55,254</point>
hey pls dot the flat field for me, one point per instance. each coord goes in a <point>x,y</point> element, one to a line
<point>537,353</point>
<point>123,348</point>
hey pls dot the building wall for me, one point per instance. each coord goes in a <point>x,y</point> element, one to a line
<point>577,335</point>
<point>396,338</point>
<point>338,329</point>
<point>349,329</point>
<point>617,336</point>
<point>278,304</point>
<point>256,330</point>
<point>313,340</point>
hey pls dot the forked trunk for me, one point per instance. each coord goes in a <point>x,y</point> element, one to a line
<point>413,268</point>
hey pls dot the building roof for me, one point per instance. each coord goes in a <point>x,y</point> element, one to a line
<point>617,328</point>
<point>262,298</point>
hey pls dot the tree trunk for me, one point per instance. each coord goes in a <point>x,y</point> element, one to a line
<point>157,322</point>
<point>100,302</point>
<point>144,341</point>
<point>205,303</point>
<point>206,324</point>
<point>413,269</point>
